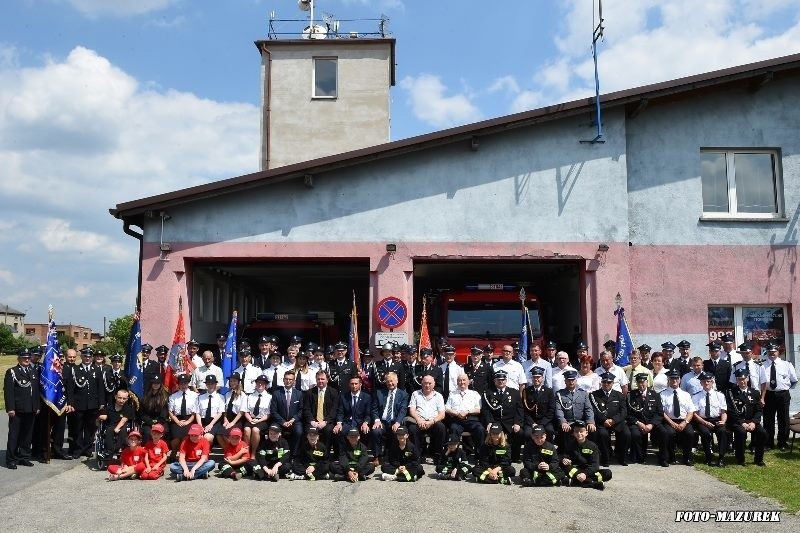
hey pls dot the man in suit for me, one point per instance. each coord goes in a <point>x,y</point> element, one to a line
<point>319,408</point>
<point>287,410</point>
<point>427,368</point>
<point>391,407</point>
<point>504,406</point>
<point>645,417</point>
<point>386,365</point>
<point>718,367</point>
<point>572,404</point>
<point>85,395</point>
<point>21,394</point>
<point>341,369</point>
<point>538,404</point>
<point>479,371</point>
<point>113,379</point>
<point>610,414</point>
<point>354,412</point>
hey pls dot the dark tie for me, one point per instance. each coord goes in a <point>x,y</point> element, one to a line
<point>257,406</point>
<point>275,378</point>
<point>183,405</point>
<point>676,405</point>
<point>288,401</point>
<point>446,381</point>
<point>708,404</point>
<point>229,410</point>
<point>773,378</point>
<point>208,408</point>
<point>390,411</point>
<point>353,407</point>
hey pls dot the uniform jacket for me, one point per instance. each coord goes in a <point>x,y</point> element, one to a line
<point>480,376</point>
<point>539,407</point>
<point>532,455</point>
<point>84,390</point>
<point>578,407</point>
<point>647,409</point>
<point>585,457</point>
<point>379,370</point>
<point>354,457</point>
<point>492,456</point>
<point>744,406</point>
<point>341,374</point>
<point>268,452</point>
<point>400,405</point>
<point>614,406</point>
<point>363,411</point>
<point>722,373</point>
<point>316,455</point>
<point>408,457</point>
<point>21,390</point>
<point>420,371</point>
<point>503,407</point>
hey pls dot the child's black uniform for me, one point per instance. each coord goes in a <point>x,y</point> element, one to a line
<point>309,455</point>
<point>532,456</point>
<point>355,459</point>
<point>407,457</point>
<point>455,460</point>
<point>585,458</point>
<point>114,442</point>
<point>268,454</point>
<point>492,456</point>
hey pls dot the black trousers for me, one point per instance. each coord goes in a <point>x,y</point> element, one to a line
<point>638,442</point>
<point>777,403</point>
<point>416,472</point>
<point>40,439</point>
<point>340,469</point>
<point>320,469</point>
<point>20,433</point>
<point>476,430</point>
<point>85,428</point>
<point>759,435</point>
<point>673,438</point>
<point>602,437</point>
<point>707,437</point>
<point>437,433</point>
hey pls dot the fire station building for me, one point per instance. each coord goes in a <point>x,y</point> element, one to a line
<point>688,209</point>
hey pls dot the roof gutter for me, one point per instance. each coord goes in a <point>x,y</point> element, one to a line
<point>126,227</point>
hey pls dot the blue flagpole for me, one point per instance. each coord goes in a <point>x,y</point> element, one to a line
<point>229,356</point>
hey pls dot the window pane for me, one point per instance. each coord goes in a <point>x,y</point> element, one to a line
<point>324,77</point>
<point>720,322</point>
<point>714,176</point>
<point>755,183</point>
<point>762,324</point>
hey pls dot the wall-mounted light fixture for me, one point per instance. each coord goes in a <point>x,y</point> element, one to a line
<point>164,247</point>
<point>602,248</point>
<point>474,144</point>
<point>391,248</point>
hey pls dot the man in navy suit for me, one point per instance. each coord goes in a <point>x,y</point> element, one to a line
<point>391,407</point>
<point>354,412</point>
<point>321,413</point>
<point>287,410</point>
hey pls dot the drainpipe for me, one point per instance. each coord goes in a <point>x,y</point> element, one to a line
<point>268,107</point>
<point>126,227</point>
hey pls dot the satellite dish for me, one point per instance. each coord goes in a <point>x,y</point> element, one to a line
<point>304,5</point>
<point>317,31</point>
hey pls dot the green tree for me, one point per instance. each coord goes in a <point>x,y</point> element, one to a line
<point>65,341</point>
<point>120,331</point>
<point>109,345</point>
<point>10,343</point>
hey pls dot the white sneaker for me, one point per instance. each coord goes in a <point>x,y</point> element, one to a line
<point>388,477</point>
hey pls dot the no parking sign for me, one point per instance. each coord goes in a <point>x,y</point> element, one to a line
<point>391,312</point>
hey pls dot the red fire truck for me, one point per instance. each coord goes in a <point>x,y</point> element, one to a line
<point>487,313</point>
<point>309,326</point>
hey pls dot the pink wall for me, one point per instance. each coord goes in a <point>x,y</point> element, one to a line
<point>390,275</point>
<point>672,286</point>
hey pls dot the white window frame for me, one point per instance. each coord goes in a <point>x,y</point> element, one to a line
<point>314,94</point>
<point>738,322</point>
<point>730,171</point>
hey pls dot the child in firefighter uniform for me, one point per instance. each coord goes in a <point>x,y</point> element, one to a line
<point>580,460</point>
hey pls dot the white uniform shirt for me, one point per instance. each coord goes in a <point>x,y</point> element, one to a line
<point>238,403</point>
<point>217,404</point>
<point>684,400</point>
<point>176,399</point>
<point>200,373</point>
<point>307,379</point>
<point>463,401</point>
<point>734,357</point>
<point>271,370</point>
<point>248,376</point>
<point>785,375</point>
<point>455,371</point>
<point>516,374</point>
<point>558,378</point>
<point>528,365</point>
<point>263,406</point>
<point>755,373</point>
<point>427,408</point>
<point>717,403</point>
<point>690,382</point>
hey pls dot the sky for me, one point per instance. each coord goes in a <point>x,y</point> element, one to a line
<point>107,101</point>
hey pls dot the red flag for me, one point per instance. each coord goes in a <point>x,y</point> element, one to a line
<point>170,381</point>
<point>424,336</point>
<point>178,356</point>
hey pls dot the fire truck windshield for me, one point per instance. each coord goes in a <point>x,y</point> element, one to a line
<point>500,321</point>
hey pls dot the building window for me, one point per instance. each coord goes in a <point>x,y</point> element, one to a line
<point>746,183</point>
<point>77,334</point>
<point>30,331</point>
<point>325,77</point>
<point>748,323</point>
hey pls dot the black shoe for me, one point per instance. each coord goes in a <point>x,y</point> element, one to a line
<point>11,466</point>
<point>758,463</point>
<point>720,462</point>
<point>622,462</point>
<point>599,485</point>
<point>663,464</point>
<point>25,462</point>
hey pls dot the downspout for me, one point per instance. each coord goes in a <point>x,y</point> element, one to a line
<point>268,107</point>
<point>126,227</point>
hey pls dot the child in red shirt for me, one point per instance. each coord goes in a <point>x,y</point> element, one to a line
<point>131,461</point>
<point>157,453</point>
<point>193,461</point>
<point>237,456</point>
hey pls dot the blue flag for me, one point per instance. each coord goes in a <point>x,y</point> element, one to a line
<point>624,342</point>
<point>523,336</point>
<point>229,356</point>
<point>51,385</point>
<point>134,364</point>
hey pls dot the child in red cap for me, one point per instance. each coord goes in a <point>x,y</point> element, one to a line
<point>193,461</point>
<point>131,461</point>
<point>235,463</point>
<point>157,452</point>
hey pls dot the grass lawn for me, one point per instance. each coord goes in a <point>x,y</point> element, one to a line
<point>777,480</point>
<point>6,362</point>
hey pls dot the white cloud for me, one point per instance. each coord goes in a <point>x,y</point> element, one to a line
<point>507,84</point>
<point>119,8</point>
<point>79,135</point>
<point>526,100</point>
<point>6,277</point>
<point>426,94</point>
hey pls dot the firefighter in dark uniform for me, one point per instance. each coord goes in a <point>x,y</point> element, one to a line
<point>503,406</point>
<point>580,460</point>
<point>744,416</point>
<point>221,339</point>
<point>645,417</point>
<point>21,394</point>
<point>539,405</point>
<point>85,395</point>
<point>610,414</point>
<point>428,368</point>
<point>40,440</point>
<point>113,379</point>
<point>407,363</point>
<point>540,463</point>
<point>479,371</point>
<point>155,368</point>
<point>386,365</point>
<point>341,368</point>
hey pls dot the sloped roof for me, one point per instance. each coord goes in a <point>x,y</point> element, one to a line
<point>7,310</point>
<point>752,75</point>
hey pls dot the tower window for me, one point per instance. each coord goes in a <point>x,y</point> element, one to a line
<point>325,73</point>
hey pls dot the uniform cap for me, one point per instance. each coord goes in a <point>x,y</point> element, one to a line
<point>236,376</point>
<point>608,376</point>
<point>673,373</point>
<point>442,341</point>
<point>192,343</point>
<point>500,374</point>
<point>162,349</point>
<point>147,348</point>
<point>449,349</point>
<point>537,371</point>
<point>742,372</point>
<point>340,345</point>
<point>771,347</point>
<point>745,347</point>
<point>296,339</point>
<point>87,351</point>
<point>641,376</point>
<point>275,427</point>
<point>156,379</point>
<point>495,429</point>
<point>184,378</point>
<point>714,345</point>
<point>312,347</point>
<point>476,350</point>
<point>301,353</point>
<point>24,352</point>
<point>538,430</point>
<point>353,432</point>
<point>211,378</point>
<point>684,344</point>
<point>116,358</point>
<point>99,353</point>
<point>581,346</point>
<point>401,431</point>
<point>570,374</point>
<point>313,431</point>
<point>609,344</point>
<point>644,348</point>
<point>425,352</point>
<point>551,345</point>
<point>388,345</point>
<point>453,439</point>
<point>195,430</point>
<point>727,338</point>
<point>705,376</point>
<point>264,339</point>
<point>668,346</point>
<point>221,337</point>
<point>489,348</point>
<point>578,424</point>
<point>262,377</point>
